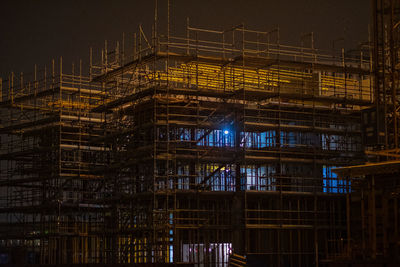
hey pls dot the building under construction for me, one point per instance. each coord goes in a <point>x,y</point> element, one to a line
<point>218,148</point>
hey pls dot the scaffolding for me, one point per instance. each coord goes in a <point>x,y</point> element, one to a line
<point>373,203</point>
<point>50,208</point>
<point>225,141</point>
<point>205,149</point>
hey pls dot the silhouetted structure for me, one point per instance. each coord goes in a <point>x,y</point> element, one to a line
<point>186,150</point>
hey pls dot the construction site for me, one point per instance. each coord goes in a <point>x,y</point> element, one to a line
<point>215,148</point>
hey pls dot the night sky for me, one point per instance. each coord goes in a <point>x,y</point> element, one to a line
<point>35,31</point>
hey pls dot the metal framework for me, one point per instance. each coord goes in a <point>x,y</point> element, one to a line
<point>49,195</point>
<point>185,150</point>
<point>373,227</point>
<point>386,72</point>
<point>224,141</point>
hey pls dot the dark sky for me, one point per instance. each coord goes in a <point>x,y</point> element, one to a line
<point>35,31</point>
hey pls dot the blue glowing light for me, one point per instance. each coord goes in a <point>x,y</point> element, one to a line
<point>226,132</point>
